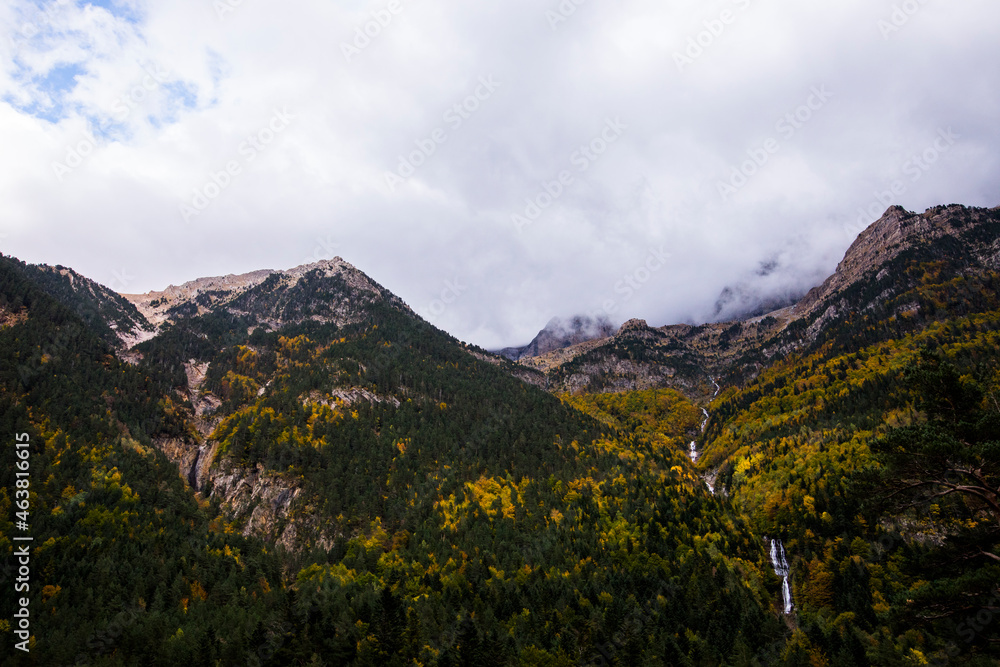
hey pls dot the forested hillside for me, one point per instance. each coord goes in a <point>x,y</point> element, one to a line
<point>874,456</point>
<point>295,469</point>
<point>470,517</point>
<point>127,566</point>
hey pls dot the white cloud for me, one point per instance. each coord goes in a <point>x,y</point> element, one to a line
<point>323,176</point>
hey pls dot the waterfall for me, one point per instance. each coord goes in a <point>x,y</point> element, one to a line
<point>693,447</point>
<point>780,564</point>
<point>693,453</point>
<point>717,387</point>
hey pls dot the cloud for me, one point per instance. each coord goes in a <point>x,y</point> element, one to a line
<point>161,102</point>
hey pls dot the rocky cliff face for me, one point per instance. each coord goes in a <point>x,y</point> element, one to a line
<point>559,334</point>
<point>273,298</point>
<point>106,313</point>
<point>567,357</point>
<point>260,503</point>
<point>898,230</point>
<point>264,504</point>
<point>681,356</point>
<point>688,357</point>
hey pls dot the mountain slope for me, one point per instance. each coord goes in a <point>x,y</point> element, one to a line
<point>109,315</point>
<point>124,562</point>
<point>425,505</point>
<point>877,580</point>
<point>296,469</point>
<point>302,386</point>
<point>867,283</point>
<point>559,334</point>
<point>787,445</point>
<point>329,291</point>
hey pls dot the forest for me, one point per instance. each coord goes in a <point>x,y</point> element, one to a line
<point>448,513</point>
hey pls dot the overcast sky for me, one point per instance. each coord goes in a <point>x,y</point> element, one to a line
<point>493,163</point>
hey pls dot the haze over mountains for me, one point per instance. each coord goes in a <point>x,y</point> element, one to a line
<point>559,333</point>
<point>292,467</point>
<point>578,353</point>
<point>685,356</point>
<point>747,300</point>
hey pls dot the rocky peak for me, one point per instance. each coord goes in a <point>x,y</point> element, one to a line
<point>879,240</point>
<point>271,296</point>
<point>104,311</point>
<point>687,358</point>
<point>559,334</point>
<point>634,325</point>
<point>897,230</point>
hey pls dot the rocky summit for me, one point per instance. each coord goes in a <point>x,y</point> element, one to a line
<point>292,467</point>
<point>872,277</point>
<point>559,334</point>
<point>270,296</point>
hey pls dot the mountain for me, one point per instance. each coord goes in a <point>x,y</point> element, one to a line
<point>111,316</point>
<point>559,334</point>
<point>356,476</point>
<point>291,467</point>
<point>121,552</point>
<point>867,446</point>
<point>329,291</point>
<point>767,289</point>
<point>302,349</point>
<point>871,278</point>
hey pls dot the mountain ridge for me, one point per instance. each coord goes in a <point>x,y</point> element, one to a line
<point>108,314</point>
<point>231,292</point>
<point>686,357</point>
<point>296,468</point>
<point>559,334</point>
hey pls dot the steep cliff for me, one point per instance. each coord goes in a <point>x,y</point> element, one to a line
<point>875,274</point>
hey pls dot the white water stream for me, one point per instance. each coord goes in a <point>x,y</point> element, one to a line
<point>693,447</point>
<point>780,564</point>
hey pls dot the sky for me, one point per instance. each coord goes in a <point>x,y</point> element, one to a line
<point>494,164</point>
